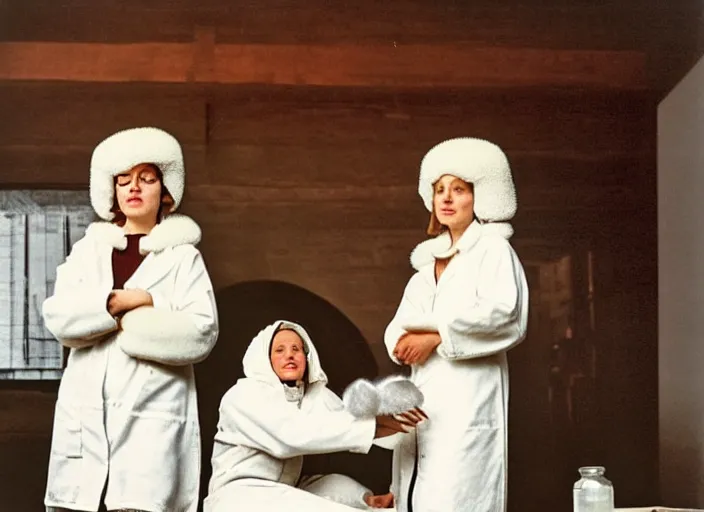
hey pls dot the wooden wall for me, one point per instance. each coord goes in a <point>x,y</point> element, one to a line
<point>303,128</point>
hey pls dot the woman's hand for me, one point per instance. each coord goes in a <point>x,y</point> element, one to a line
<point>121,301</point>
<point>380,500</point>
<point>416,347</point>
<point>400,423</point>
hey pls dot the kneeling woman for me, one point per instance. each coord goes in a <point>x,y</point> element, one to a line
<point>281,411</point>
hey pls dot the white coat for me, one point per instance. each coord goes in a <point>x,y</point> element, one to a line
<point>265,429</point>
<point>126,413</point>
<point>479,306</point>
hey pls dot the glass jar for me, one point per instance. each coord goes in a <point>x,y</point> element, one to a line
<point>593,492</point>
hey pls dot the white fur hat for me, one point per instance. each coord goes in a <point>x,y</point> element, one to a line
<point>475,161</point>
<point>127,148</point>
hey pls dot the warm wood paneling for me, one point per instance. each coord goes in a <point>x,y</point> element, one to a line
<point>368,65</point>
<point>666,31</point>
<point>576,25</point>
<point>80,116</point>
<point>560,122</point>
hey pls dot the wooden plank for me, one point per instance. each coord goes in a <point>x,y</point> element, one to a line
<point>231,215</point>
<point>347,285</point>
<point>524,120</point>
<point>241,254</point>
<point>511,23</point>
<point>424,65</point>
<point>26,412</point>
<point>311,251</point>
<point>398,198</point>
<point>607,25</point>
<point>369,65</point>
<point>95,21</point>
<point>44,166</point>
<point>96,62</point>
<point>585,226</point>
<point>82,116</point>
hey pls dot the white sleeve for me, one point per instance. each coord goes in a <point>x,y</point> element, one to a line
<point>76,314</point>
<point>255,417</point>
<point>406,313</point>
<point>177,330</point>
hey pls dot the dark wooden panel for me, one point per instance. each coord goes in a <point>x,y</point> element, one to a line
<point>610,223</point>
<point>96,62</point>
<point>292,166</point>
<point>26,412</point>
<point>366,207</point>
<point>561,122</point>
<point>297,254</point>
<point>316,251</point>
<point>82,116</point>
<point>375,65</point>
<point>666,31</point>
<point>49,166</point>
<point>507,23</point>
<point>239,209</point>
<point>96,21</point>
<point>576,24</point>
<point>426,65</point>
<point>520,120</point>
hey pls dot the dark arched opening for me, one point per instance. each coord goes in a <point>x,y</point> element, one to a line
<point>244,309</point>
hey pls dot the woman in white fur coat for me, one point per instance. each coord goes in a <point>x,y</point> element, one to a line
<point>465,306</point>
<point>135,304</point>
<point>281,411</point>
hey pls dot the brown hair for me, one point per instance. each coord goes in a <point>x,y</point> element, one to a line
<point>167,201</point>
<point>434,226</point>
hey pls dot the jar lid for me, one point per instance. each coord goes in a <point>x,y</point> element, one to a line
<point>591,470</point>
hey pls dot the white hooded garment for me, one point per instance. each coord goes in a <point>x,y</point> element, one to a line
<point>126,412</point>
<point>263,435</point>
<point>479,306</point>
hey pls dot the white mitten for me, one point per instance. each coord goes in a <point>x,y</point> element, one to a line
<point>397,394</point>
<point>387,396</point>
<point>361,399</point>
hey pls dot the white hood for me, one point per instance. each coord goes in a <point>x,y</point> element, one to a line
<point>257,361</point>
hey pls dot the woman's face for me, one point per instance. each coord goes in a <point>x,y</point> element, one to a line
<point>138,192</point>
<point>288,359</point>
<point>453,200</point>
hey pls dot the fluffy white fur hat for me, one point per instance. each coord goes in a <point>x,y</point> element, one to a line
<point>127,148</point>
<point>478,162</point>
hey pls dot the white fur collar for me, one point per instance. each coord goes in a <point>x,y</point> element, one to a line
<point>441,246</point>
<point>174,230</point>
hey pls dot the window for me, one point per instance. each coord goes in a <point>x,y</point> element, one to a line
<point>37,230</point>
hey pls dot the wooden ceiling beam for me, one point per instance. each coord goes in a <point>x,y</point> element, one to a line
<point>336,65</point>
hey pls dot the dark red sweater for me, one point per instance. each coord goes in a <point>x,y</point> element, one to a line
<point>124,263</point>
